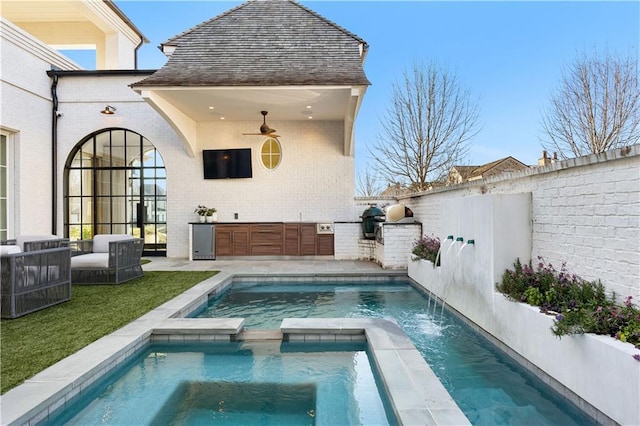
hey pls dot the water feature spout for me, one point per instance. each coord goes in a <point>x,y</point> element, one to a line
<point>460,240</point>
<point>467,244</point>
<point>442,297</point>
<point>437,262</point>
<point>450,240</point>
<point>470,242</point>
<point>450,237</point>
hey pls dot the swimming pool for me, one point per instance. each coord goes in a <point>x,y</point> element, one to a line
<point>489,387</point>
<point>237,383</point>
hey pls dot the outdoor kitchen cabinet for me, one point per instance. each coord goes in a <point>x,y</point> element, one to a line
<point>291,239</point>
<point>272,239</point>
<point>302,239</point>
<point>325,245</point>
<point>232,240</point>
<point>307,239</point>
<point>265,239</point>
<point>299,239</point>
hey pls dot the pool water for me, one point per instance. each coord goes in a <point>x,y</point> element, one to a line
<point>489,387</point>
<point>236,384</point>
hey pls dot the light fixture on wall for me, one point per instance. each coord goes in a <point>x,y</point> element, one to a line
<point>108,110</point>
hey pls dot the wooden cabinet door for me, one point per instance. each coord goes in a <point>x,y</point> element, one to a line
<point>292,239</point>
<point>223,241</point>
<point>232,240</point>
<point>307,239</point>
<point>240,241</point>
<point>325,244</point>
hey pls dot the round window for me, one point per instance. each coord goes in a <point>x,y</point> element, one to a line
<point>271,153</point>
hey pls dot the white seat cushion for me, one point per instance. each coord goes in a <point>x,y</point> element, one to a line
<point>25,238</point>
<point>7,250</point>
<point>90,261</point>
<point>101,242</point>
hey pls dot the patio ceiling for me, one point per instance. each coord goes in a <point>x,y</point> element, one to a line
<point>245,103</point>
<point>184,107</point>
<point>72,19</point>
<point>46,11</point>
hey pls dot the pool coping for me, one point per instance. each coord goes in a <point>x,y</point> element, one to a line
<point>416,394</point>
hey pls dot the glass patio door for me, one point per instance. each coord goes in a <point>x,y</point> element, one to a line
<point>116,184</point>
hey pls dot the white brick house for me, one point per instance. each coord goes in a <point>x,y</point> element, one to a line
<point>80,170</point>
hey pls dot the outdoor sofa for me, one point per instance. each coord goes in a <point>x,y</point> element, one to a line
<point>107,259</point>
<point>35,274</point>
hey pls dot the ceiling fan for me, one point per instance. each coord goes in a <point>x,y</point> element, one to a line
<point>265,130</point>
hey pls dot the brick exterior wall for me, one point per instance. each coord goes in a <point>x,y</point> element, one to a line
<point>586,212</point>
<point>346,241</point>
<point>313,183</point>
<point>398,243</point>
<point>349,243</point>
<point>25,115</point>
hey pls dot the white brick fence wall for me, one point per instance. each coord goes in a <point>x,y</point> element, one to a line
<point>586,212</point>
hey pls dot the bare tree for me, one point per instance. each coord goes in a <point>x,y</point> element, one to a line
<point>368,184</point>
<point>596,107</point>
<point>426,127</point>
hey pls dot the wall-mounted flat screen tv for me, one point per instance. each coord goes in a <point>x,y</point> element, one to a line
<point>227,163</point>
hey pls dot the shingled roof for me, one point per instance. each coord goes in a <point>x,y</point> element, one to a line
<point>466,173</point>
<point>263,43</point>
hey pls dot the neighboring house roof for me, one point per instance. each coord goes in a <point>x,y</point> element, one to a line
<point>395,190</point>
<point>459,174</point>
<point>263,43</point>
<point>465,172</point>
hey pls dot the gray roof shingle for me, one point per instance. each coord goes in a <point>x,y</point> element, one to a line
<point>263,43</point>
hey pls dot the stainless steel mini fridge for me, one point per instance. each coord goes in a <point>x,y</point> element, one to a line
<point>203,241</point>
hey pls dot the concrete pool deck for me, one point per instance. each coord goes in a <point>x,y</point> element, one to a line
<point>417,396</point>
<point>272,267</point>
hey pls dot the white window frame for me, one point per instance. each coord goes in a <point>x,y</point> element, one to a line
<point>264,166</point>
<point>9,170</point>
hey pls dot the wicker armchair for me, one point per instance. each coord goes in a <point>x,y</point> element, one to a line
<point>33,280</point>
<point>107,259</point>
<point>37,242</point>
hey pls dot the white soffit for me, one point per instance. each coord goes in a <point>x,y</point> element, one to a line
<point>98,13</point>
<point>203,104</point>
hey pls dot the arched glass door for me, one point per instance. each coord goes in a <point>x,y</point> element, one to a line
<point>116,183</point>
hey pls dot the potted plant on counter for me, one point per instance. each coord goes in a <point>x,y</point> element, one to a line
<point>201,211</point>
<point>212,215</point>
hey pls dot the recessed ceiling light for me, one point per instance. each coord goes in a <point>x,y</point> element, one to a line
<point>221,118</point>
<point>308,106</point>
<point>310,117</point>
<point>211,107</point>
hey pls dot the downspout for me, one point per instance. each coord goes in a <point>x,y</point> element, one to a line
<point>135,53</point>
<point>54,154</point>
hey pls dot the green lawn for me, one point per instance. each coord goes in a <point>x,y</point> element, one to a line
<point>32,343</point>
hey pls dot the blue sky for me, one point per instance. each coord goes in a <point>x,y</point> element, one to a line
<point>508,54</point>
